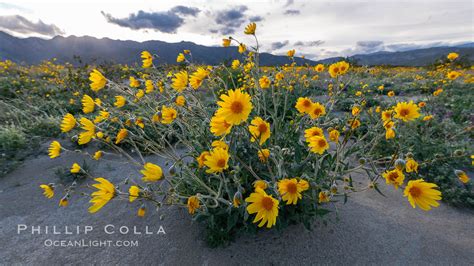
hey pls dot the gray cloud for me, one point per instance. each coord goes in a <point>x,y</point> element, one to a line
<point>22,25</point>
<point>184,10</point>
<point>289,3</point>
<point>279,45</point>
<point>256,18</point>
<point>231,19</point>
<point>167,21</point>
<point>369,47</point>
<point>291,12</point>
<point>309,43</point>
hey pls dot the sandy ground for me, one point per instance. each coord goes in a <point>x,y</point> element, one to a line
<point>371,230</point>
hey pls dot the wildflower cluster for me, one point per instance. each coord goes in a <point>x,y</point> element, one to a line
<point>245,146</point>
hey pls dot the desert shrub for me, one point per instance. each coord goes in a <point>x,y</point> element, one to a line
<point>244,146</point>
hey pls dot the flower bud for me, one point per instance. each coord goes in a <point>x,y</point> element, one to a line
<point>63,202</point>
<point>459,173</point>
<point>237,200</point>
<point>400,164</point>
<point>362,160</point>
<point>172,170</point>
<point>458,152</point>
<point>409,155</point>
<point>141,211</point>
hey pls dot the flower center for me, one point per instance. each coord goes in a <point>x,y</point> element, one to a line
<point>306,103</point>
<point>392,176</point>
<point>226,125</point>
<point>237,107</point>
<point>404,112</point>
<point>317,111</point>
<point>262,128</point>
<point>322,143</point>
<point>291,188</point>
<point>267,203</point>
<point>336,70</point>
<point>415,192</point>
<point>221,163</point>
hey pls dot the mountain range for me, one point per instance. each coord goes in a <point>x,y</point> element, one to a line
<point>33,50</point>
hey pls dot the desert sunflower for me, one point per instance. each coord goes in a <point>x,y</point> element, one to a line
<point>217,160</point>
<point>198,77</point>
<point>180,58</point>
<point>76,168</point>
<point>149,86</point>
<point>180,100</point>
<point>290,189</point>
<point>452,56</point>
<point>406,111</point>
<point>133,82</point>
<point>318,144</point>
<point>264,82</point>
<point>313,131</point>
<point>265,206</point>
<point>48,191</point>
<point>68,123</point>
<point>304,105</point>
<point>147,59</point>
<point>250,28</point>
<point>317,110</point>
<point>88,104</point>
<point>452,75</point>
<point>88,133</point>
<point>202,158</point>
<point>334,135</point>
<point>386,115</point>
<point>319,68</point>
<point>219,144</point>
<point>151,172</point>
<point>235,106</point>
<point>54,149</point>
<point>168,114</point>
<point>260,184</point>
<point>219,127</point>
<point>259,129</point>
<point>105,192</point>
<point>121,135</point>
<point>119,101</point>
<point>394,177</point>
<point>226,42</point>
<point>263,155</point>
<point>193,204</point>
<point>98,80</point>
<point>411,166</point>
<point>291,53</point>
<point>133,193</point>
<point>422,194</point>
<point>323,196</point>
<point>463,177</point>
<point>180,81</point>
<point>242,48</point>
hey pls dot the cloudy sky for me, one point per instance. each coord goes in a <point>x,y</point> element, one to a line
<point>317,29</point>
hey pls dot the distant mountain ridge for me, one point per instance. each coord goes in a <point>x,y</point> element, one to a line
<point>92,50</point>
